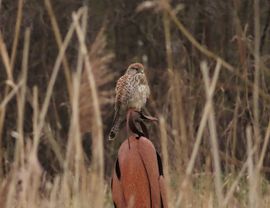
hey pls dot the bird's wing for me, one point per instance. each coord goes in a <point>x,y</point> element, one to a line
<point>121,90</point>
<point>120,93</point>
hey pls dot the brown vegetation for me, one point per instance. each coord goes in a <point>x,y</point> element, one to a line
<point>208,68</point>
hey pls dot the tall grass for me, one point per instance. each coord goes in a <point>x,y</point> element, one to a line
<point>200,171</point>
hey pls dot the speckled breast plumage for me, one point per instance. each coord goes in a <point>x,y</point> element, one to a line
<point>132,91</point>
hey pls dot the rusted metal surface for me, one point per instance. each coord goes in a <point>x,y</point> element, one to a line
<point>138,176</point>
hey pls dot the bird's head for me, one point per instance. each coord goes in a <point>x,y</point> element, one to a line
<point>135,68</point>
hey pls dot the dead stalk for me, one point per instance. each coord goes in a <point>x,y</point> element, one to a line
<point>251,172</point>
<point>19,154</point>
<point>98,164</point>
<point>56,68</point>
<point>59,42</point>
<point>202,126</point>
<point>213,135</point>
<point>17,33</point>
<point>165,158</point>
<point>256,73</point>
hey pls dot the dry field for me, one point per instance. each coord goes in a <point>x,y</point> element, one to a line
<point>208,67</point>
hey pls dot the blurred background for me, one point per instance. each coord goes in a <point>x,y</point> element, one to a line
<point>119,33</point>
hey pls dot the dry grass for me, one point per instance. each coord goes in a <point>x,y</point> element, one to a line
<point>201,170</point>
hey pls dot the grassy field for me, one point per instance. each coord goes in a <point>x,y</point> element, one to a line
<point>213,110</point>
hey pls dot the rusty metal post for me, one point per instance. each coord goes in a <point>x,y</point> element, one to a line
<point>138,180</point>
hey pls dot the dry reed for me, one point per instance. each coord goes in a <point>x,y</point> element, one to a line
<point>197,171</point>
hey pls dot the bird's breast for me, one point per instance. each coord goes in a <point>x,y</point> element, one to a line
<point>139,97</point>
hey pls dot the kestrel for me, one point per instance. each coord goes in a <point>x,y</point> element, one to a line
<point>132,91</point>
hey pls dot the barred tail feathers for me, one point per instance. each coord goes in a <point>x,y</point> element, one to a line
<point>115,125</point>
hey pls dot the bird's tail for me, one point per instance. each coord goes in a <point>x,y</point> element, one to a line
<point>115,126</point>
